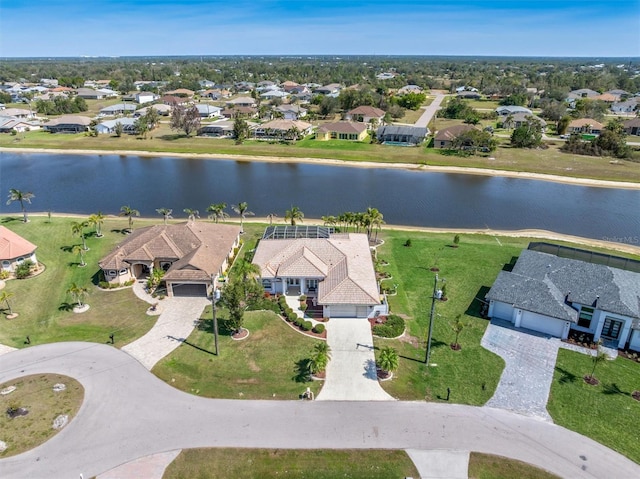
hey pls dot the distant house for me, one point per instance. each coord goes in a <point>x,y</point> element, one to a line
<point>632,127</point>
<point>410,89</point>
<point>11,123</point>
<point>366,114</point>
<point>109,127</point>
<point>243,112</point>
<point>161,108</point>
<point>628,106</point>
<point>14,250</point>
<point>292,112</point>
<point>219,129</point>
<point>245,101</point>
<point>192,255</point>
<point>512,109</point>
<point>385,76</point>
<point>18,113</point>
<point>342,130</point>
<point>216,94</point>
<point>208,111</point>
<point>68,124</point>
<point>332,89</point>
<point>553,295</point>
<point>145,97</point>
<point>337,272</point>
<point>100,94</point>
<point>444,138</point>
<point>181,92</point>
<point>583,93</point>
<point>401,135</point>
<point>271,94</point>
<point>585,126</point>
<point>516,120</point>
<point>469,95</point>
<point>282,130</point>
<point>117,109</point>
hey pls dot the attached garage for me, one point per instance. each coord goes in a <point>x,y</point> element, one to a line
<point>189,289</point>
<point>543,324</point>
<point>502,311</point>
<point>347,311</point>
<point>634,343</point>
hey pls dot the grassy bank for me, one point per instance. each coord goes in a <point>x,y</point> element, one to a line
<point>163,140</point>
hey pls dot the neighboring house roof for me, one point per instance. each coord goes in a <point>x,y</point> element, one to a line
<point>159,107</point>
<point>522,117</point>
<point>12,245</point>
<point>343,127</point>
<point>279,124</point>
<point>197,249</point>
<point>343,261</point>
<point>117,108</point>
<point>452,132</point>
<point>128,124</point>
<point>583,122</point>
<point>546,284</point>
<point>69,120</point>
<point>205,109</point>
<point>511,109</point>
<point>181,92</point>
<point>17,112</point>
<point>402,130</point>
<point>293,108</point>
<point>242,100</point>
<point>632,123</point>
<point>583,93</point>
<point>366,110</point>
<point>409,89</point>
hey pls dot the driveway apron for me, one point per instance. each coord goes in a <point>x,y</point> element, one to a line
<point>351,373</point>
<point>530,359</point>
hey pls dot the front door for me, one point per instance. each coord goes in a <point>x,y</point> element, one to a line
<point>611,328</point>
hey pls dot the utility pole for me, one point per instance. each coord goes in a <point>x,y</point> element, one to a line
<point>215,295</point>
<point>433,310</point>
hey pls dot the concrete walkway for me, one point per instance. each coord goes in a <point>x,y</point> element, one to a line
<point>175,324</point>
<point>530,359</point>
<point>430,111</point>
<point>440,463</point>
<point>351,373</point>
<point>147,467</point>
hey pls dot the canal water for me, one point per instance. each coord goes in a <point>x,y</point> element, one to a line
<point>89,183</point>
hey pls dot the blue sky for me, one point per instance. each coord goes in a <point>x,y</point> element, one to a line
<point>598,28</point>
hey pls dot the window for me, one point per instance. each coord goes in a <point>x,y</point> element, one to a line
<point>586,315</point>
<point>111,272</point>
<point>123,271</point>
<point>266,283</point>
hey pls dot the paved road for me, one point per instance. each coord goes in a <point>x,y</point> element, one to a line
<point>430,110</point>
<point>129,413</point>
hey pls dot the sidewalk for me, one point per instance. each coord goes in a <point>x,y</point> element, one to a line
<point>147,467</point>
<point>440,463</point>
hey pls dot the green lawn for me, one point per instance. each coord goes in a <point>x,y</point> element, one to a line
<point>606,412</point>
<point>42,301</point>
<point>278,463</point>
<point>487,466</point>
<point>263,366</point>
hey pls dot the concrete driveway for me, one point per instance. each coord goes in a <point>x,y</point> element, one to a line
<point>430,111</point>
<point>351,373</point>
<point>530,359</point>
<point>128,413</point>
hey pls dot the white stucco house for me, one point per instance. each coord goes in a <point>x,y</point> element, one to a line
<point>14,250</point>
<point>335,271</point>
<point>553,295</point>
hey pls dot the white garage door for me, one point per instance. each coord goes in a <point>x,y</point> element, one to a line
<point>502,311</point>
<point>542,324</point>
<point>343,311</point>
<point>362,311</point>
<point>189,289</point>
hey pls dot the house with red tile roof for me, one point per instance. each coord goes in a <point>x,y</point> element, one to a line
<point>342,130</point>
<point>365,114</point>
<point>14,250</point>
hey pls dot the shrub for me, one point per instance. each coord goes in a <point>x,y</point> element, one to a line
<point>303,297</point>
<point>298,321</point>
<point>24,269</point>
<point>392,328</point>
<point>303,307</point>
<point>306,325</point>
<point>292,317</point>
<point>4,274</point>
<point>408,243</point>
<point>318,329</point>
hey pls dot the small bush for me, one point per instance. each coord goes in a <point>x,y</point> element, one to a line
<point>318,329</point>
<point>24,269</point>
<point>303,307</point>
<point>408,243</point>
<point>4,274</point>
<point>303,297</point>
<point>306,325</point>
<point>392,328</point>
<point>299,322</point>
<point>292,317</point>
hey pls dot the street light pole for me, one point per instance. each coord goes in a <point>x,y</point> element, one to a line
<point>433,310</point>
<point>215,294</point>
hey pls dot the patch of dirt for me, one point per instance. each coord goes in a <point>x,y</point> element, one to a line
<point>412,340</point>
<point>636,395</point>
<point>455,347</point>
<point>242,334</point>
<point>253,366</point>
<point>247,381</point>
<point>590,380</point>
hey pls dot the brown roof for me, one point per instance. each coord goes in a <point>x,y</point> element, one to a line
<point>452,132</point>
<point>342,262</point>
<point>181,91</point>
<point>13,246</point>
<point>367,111</point>
<point>343,127</point>
<point>70,119</point>
<point>197,249</point>
<point>285,125</point>
<point>581,122</point>
<point>634,122</point>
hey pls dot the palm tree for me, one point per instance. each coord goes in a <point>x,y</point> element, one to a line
<point>243,210</point>
<point>97,220</point>
<point>329,220</point>
<point>294,215</point>
<point>77,249</point>
<point>597,359</point>
<point>320,359</point>
<point>166,213</point>
<point>78,293</point>
<point>375,219</point>
<point>388,360</point>
<point>457,328</point>
<point>217,211</point>
<point>270,217</point>
<point>4,298</point>
<point>77,229</point>
<point>129,213</point>
<point>247,269</point>
<point>193,214</point>
<point>22,197</point>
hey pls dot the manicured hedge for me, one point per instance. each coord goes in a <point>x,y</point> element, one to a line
<point>318,329</point>
<point>392,328</point>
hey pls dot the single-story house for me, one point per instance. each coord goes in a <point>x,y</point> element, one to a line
<point>629,106</point>
<point>409,89</point>
<point>219,129</point>
<point>18,113</point>
<point>332,89</point>
<point>365,114</point>
<point>118,109</point>
<point>145,97</point>
<point>583,93</point>
<point>11,123</point>
<point>401,134</point>
<point>173,100</point>
<point>444,138</point>
<point>208,111</point>
<point>632,126</point>
<point>585,125</point>
<point>68,124</point>
<point>91,94</point>
<point>216,93</point>
<point>181,92</point>
<point>512,110</point>
<point>516,120</point>
<point>342,130</point>
<point>108,127</point>
<point>270,94</point>
<point>14,249</point>
<point>337,271</point>
<point>292,112</point>
<point>245,101</point>
<point>553,295</point>
<point>192,254</point>
<point>240,112</point>
<point>469,95</point>
<point>282,129</point>
<point>161,108</point>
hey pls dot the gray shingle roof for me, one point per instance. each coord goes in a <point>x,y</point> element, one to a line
<point>540,282</point>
